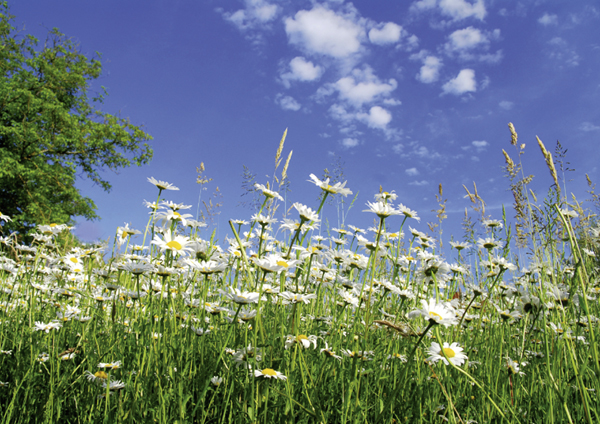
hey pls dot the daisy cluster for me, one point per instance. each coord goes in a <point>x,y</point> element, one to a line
<point>278,297</point>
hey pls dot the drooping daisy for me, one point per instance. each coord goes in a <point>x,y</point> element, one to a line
<point>409,213</point>
<point>242,297</point>
<point>40,326</point>
<point>453,352</point>
<point>110,365</point>
<point>269,373</point>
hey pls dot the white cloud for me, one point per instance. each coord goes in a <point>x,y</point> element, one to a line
<point>398,148</point>
<point>480,145</point>
<point>462,9</point>
<point>463,83</point>
<point>350,142</point>
<point>377,117</point>
<point>287,102</point>
<point>419,183</point>
<point>506,105</point>
<point>588,126</point>
<point>322,31</point>
<point>256,13</point>
<point>562,52</point>
<point>385,34</point>
<point>301,70</point>
<point>430,70</point>
<point>548,19</point>
<point>412,172</point>
<point>466,39</point>
<point>456,9</point>
<point>392,102</point>
<point>362,86</point>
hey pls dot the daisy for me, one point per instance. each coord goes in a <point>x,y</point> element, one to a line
<point>162,185</point>
<point>216,380</point>
<point>5,218</point>
<point>172,242</point>
<point>302,340</point>
<point>452,352</point>
<point>337,188</point>
<point>436,313</point>
<point>289,297</point>
<point>114,385</point>
<point>269,373</point>
<point>268,193</point>
<point>242,297</point>
<point>111,365</point>
<point>330,353</point>
<point>40,326</point>
<point>306,213</point>
<point>409,213</point>
<point>383,210</point>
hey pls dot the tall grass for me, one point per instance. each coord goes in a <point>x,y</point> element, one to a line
<point>277,324</point>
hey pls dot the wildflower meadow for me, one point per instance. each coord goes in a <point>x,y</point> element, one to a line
<point>288,320</point>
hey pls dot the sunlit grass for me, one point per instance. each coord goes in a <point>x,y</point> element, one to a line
<point>288,320</point>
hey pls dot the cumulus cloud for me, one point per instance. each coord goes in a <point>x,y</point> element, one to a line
<point>506,105</point>
<point>466,39</point>
<point>287,102</point>
<point>548,19</point>
<point>322,31</point>
<point>398,148</point>
<point>360,87</point>
<point>385,33</point>
<point>256,13</point>
<point>301,70</point>
<point>348,143</point>
<point>430,70</point>
<point>377,117</point>
<point>463,83</point>
<point>455,9</point>
<point>412,172</point>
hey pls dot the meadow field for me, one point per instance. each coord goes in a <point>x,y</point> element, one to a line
<point>287,320</point>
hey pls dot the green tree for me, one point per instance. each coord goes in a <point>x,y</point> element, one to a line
<point>51,131</point>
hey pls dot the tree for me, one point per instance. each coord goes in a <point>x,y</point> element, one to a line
<point>51,131</point>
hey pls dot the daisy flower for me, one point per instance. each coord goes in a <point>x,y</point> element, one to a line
<point>337,188</point>
<point>409,213</point>
<point>306,213</point>
<point>242,297</point>
<point>162,185</point>
<point>289,297</point>
<point>436,313</point>
<point>40,326</point>
<point>302,340</point>
<point>383,210</point>
<point>453,352</point>
<point>216,380</point>
<point>269,373</point>
<point>172,242</point>
<point>111,365</point>
<point>268,193</point>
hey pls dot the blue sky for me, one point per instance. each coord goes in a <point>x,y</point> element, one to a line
<point>406,95</point>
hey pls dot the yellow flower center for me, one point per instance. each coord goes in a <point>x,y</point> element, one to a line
<point>177,215</point>
<point>283,264</point>
<point>101,374</point>
<point>301,337</point>
<point>269,371</point>
<point>435,316</point>
<point>449,352</point>
<point>174,245</point>
<point>74,259</point>
<point>53,225</point>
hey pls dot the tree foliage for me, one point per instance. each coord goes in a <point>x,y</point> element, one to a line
<point>51,130</point>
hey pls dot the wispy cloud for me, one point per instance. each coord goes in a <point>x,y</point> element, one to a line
<point>548,19</point>
<point>455,9</point>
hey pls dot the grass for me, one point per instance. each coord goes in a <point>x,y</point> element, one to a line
<point>280,325</point>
